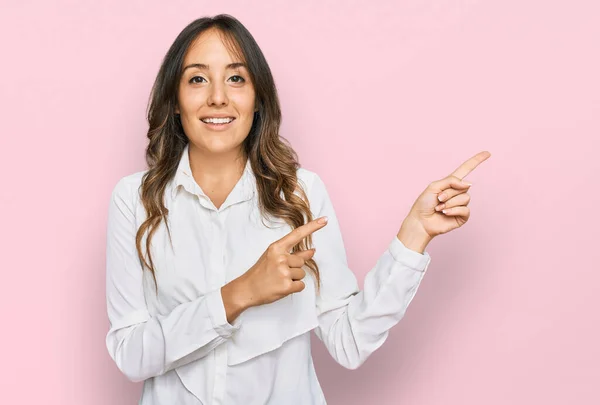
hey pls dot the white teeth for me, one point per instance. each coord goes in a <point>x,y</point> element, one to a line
<point>217,120</point>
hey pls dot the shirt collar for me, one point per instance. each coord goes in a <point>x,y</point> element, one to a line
<point>243,190</point>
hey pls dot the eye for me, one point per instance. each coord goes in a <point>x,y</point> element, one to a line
<point>196,77</point>
<point>239,81</point>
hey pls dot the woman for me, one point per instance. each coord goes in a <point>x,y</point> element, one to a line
<point>206,250</point>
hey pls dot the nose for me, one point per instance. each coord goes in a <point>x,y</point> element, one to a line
<point>217,94</point>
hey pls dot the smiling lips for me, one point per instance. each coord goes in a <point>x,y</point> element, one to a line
<point>217,121</point>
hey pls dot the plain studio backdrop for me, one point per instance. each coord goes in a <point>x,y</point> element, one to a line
<point>379,98</point>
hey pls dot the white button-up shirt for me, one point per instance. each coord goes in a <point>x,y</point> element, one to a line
<point>179,341</point>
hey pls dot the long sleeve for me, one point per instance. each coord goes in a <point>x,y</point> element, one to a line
<point>354,323</point>
<point>143,345</point>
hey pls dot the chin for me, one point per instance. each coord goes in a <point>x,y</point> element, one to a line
<point>222,147</point>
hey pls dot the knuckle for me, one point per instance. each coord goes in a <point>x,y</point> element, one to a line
<point>284,271</point>
<point>273,257</point>
<point>288,284</point>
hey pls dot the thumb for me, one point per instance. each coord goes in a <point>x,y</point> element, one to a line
<point>455,183</point>
<point>447,182</point>
<point>305,254</point>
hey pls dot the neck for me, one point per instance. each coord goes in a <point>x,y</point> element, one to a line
<point>213,167</point>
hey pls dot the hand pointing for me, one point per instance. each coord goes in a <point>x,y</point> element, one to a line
<point>443,205</point>
<point>276,274</point>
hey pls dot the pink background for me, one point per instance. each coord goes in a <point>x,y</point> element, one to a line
<point>380,98</point>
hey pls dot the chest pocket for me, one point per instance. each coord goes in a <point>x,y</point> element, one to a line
<point>267,327</point>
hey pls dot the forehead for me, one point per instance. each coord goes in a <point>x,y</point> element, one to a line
<point>212,48</point>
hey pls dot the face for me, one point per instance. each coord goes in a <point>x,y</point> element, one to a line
<point>216,96</point>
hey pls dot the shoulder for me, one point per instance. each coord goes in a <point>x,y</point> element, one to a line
<point>126,190</point>
<point>315,188</point>
<point>308,179</point>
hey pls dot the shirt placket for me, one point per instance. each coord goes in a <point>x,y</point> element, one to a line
<point>218,278</point>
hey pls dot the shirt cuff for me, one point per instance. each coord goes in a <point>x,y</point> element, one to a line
<point>218,316</point>
<point>413,259</point>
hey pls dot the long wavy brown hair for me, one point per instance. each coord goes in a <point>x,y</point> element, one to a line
<point>273,160</point>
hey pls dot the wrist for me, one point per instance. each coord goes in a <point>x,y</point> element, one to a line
<point>413,236</point>
<point>234,299</point>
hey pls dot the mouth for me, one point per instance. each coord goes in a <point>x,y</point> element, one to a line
<point>218,123</point>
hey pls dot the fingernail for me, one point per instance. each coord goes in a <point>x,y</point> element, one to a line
<point>466,183</point>
<point>322,220</point>
<point>441,197</point>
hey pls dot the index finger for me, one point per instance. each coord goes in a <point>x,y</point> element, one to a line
<point>294,237</point>
<point>470,165</point>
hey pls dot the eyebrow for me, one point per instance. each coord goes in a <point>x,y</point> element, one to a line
<point>234,65</point>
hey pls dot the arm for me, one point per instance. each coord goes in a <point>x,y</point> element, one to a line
<point>354,323</point>
<point>143,345</point>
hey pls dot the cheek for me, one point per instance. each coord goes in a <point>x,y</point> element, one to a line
<point>191,99</point>
<point>245,101</point>
<point>245,107</point>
